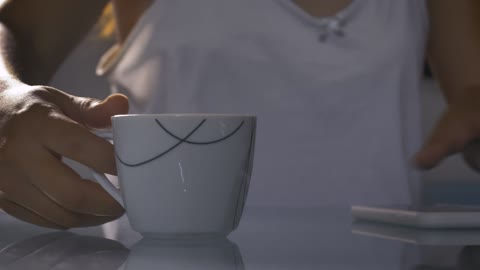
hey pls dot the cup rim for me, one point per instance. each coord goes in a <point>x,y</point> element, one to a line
<point>210,115</point>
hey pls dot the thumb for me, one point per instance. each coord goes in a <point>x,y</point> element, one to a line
<point>90,112</point>
<point>441,143</point>
<point>98,113</point>
<point>431,154</point>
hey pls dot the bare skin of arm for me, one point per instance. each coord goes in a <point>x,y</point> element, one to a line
<point>39,124</point>
<point>454,55</point>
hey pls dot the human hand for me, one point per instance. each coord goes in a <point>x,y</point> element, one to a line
<point>39,125</point>
<point>457,131</point>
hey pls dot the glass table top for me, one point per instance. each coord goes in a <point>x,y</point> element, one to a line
<point>267,238</point>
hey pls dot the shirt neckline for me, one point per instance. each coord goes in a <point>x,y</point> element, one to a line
<point>344,14</point>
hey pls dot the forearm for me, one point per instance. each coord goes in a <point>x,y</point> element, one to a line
<point>454,47</point>
<point>36,36</point>
<point>20,60</point>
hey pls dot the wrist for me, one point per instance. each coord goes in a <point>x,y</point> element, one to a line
<point>9,82</point>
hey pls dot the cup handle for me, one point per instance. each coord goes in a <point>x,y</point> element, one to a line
<point>102,179</point>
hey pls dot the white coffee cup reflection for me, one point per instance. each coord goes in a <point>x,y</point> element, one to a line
<point>63,250</point>
<point>185,254</point>
<point>182,175</point>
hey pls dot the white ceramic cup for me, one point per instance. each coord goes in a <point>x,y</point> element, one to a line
<point>182,175</point>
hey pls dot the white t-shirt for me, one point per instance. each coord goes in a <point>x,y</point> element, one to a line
<point>337,98</point>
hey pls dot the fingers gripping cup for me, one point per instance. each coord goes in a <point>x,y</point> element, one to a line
<point>182,175</point>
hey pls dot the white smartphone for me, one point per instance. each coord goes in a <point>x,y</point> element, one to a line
<point>440,216</point>
<point>417,236</point>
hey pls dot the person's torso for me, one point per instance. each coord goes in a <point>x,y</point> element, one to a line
<point>336,98</point>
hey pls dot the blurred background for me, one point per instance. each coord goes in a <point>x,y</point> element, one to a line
<point>452,182</point>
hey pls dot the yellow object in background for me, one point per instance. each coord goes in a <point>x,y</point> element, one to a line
<point>106,24</point>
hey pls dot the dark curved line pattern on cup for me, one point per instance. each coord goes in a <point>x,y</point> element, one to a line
<point>199,143</point>
<point>164,152</point>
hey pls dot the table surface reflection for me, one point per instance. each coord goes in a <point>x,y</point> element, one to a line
<point>268,238</point>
